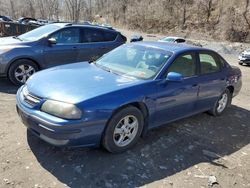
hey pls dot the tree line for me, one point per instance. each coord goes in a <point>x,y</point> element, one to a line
<point>225,19</point>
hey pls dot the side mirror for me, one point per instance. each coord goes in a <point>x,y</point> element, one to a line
<point>174,77</point>
<point>52,41</point>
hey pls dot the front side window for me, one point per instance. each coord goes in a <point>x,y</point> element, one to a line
<point>208,63</point>
<point>67,36</point>
<point>136,61</point>
<point>185,65</point>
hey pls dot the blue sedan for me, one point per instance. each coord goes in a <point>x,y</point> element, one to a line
<point>132,89</point>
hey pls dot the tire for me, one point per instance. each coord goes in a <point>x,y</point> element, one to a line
<point>24,68</point>
<point>240,63</point>
<point>217,111</point>
<point>117,123</point>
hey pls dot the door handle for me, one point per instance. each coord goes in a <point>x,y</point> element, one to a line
<point>194,85</point>
<point>74,47</point>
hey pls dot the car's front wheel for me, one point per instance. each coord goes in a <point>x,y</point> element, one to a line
<point>21,70</point>
<point>240,63</point>
<point>222,103</point>
<point>123,130</point>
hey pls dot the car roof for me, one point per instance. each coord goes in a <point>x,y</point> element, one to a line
<point>66,24</point>
<point>170,47</point>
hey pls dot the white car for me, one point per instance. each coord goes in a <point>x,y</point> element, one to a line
<point>173,39</point>
<point>244,57</point>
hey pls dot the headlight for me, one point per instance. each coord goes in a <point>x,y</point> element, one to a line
<point>61,109</point>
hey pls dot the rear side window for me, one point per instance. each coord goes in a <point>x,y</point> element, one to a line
<point>185,65</point>
<point>91,35</point>
<point>209,64</point>
<point>109,36</point>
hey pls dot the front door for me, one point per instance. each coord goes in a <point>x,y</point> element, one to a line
<point>65,49</point>
<point>178,99</point>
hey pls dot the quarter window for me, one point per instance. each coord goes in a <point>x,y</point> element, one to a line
<point>208,64</point>
<point>184,65</point>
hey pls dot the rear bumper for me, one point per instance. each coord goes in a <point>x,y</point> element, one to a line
<point>85,134</point>
<point>237,87</point>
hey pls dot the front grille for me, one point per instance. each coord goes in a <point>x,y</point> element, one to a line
<point>29,98</point>
<point>32,100</point>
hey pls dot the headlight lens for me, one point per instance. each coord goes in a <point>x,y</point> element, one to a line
<point>61,109</point>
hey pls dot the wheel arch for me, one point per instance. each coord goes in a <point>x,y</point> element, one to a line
<point>140,106</point>
<point>21,58</point>
<point>231,89</point>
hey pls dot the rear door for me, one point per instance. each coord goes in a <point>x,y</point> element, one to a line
<point>212,79</point>
<point>95,42</point>
<point>65,50</point>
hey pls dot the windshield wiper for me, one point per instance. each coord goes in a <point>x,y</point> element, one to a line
<point>16,37</point>
<point>105,68</point>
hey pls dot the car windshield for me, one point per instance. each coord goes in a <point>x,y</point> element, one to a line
<point>134,60</point>
<point>38,33</point>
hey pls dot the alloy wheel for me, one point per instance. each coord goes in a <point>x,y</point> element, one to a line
<point>222,103</point>
<point>125,131</point>
<point>23,72</point>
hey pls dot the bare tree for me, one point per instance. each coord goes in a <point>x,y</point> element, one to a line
<point>207,6</point>
<point>13,9</point>
<point>245,13</point>
<point>74,7</point>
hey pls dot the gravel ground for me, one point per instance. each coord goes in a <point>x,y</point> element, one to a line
<point>193,152</point>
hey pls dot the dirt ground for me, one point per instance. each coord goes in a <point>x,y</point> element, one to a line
<point>190,153</point>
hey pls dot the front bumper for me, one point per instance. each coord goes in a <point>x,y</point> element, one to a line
<point>80,134</point>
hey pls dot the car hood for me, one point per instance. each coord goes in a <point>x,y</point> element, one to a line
<point>77,82</point>
<point>11,41</point>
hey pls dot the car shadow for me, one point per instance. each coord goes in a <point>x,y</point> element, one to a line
<point>165,151</point>
<point>7,87</point>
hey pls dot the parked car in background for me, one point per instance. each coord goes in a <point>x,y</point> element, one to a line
<point>244,57</point>
<point>180,40</point>
<point>134,88</point>
<point>5,19</point>
<point>173,39</point>
<point>52,45</point>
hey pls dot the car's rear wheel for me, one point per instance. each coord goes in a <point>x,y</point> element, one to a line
<point>240,63</point>
<point>21,70</point>
<point>222,103</point>
<point>123,130</point>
